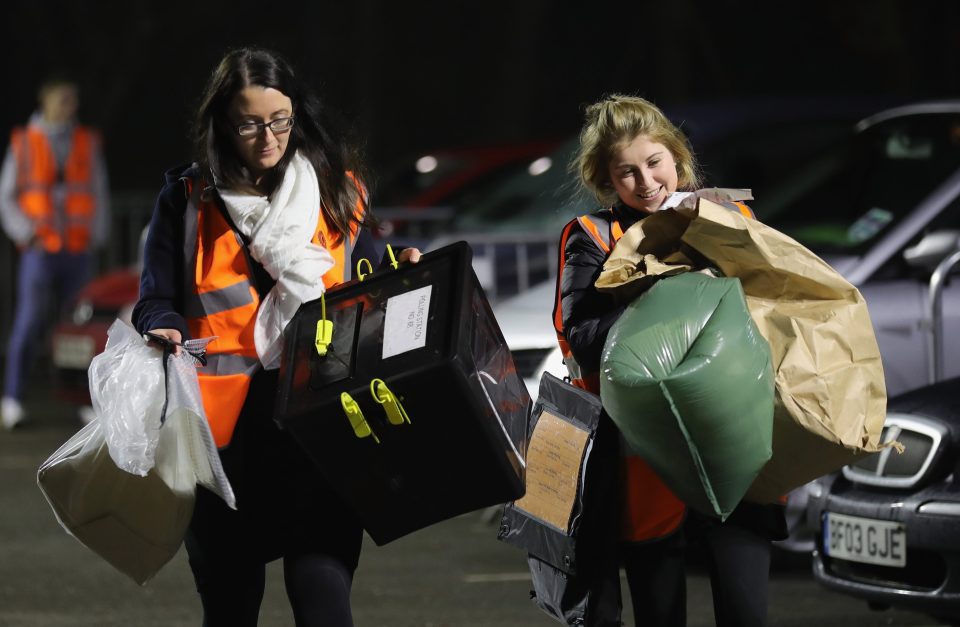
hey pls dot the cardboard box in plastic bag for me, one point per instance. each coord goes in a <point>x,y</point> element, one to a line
<point>135,523</point>
<point>831,396</point>
<point>124,484</point>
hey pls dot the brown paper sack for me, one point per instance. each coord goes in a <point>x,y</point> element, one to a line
<point>831,397</point>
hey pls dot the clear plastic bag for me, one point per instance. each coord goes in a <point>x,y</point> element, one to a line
<point>125,484</point>
<point>127,393</point>
<point>130,390</point>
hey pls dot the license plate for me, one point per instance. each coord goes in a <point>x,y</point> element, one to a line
<point>865,540</point>
<point>73,351</point>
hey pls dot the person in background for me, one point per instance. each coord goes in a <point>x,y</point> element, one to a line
<point>632,158</point>
<point>273,212</point>
<point>55,206</point>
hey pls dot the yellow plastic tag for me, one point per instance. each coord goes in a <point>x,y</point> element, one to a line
<point>354,414</point>
<point>393,260</point>
<point>324,329</point>
<point>396,414</point>
<point>324,336</point>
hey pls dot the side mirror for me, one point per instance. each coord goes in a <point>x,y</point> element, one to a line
<point>932,249</point>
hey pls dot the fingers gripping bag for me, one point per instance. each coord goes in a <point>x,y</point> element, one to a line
<point>687,378</point>
<point>124,484</point>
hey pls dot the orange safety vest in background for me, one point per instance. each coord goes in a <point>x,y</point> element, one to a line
<point>650,509</point>
<point>222,301</point>
<point>36,177</point>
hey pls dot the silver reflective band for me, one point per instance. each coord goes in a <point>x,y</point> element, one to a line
<point>216,301</point>
<point>225,363</point>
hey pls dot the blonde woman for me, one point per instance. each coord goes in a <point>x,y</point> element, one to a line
<point>632,157</point>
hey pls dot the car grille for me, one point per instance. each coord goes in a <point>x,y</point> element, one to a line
<point>528,361</point>
<point>921,439</point>
<point>925,571</point>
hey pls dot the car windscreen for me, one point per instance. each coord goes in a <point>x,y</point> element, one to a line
<point>754,156</point>
<point>853,193</point>
<point>527,201</point>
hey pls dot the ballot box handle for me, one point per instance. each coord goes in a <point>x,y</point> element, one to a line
<point>361,275</point>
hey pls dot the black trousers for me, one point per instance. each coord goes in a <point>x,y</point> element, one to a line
<point>737,557</point>
<point>285,509</point>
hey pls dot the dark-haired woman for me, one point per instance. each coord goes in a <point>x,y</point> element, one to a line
<point>272,213</point>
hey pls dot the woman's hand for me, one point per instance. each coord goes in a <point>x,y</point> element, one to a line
<point>409,254</point>
<point>171,334</point>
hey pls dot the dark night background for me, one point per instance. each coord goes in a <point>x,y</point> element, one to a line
<point>415,76</point>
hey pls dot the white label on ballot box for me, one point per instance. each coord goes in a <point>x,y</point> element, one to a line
<point>405,324</point>
<point>865,540</point>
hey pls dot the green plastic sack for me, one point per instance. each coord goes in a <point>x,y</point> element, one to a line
<point>687,378</point>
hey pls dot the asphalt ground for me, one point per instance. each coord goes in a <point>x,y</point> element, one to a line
<point>455,573</point>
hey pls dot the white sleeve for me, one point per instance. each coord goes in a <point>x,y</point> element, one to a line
<point>18,227</point>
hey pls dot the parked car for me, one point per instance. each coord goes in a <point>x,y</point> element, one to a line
<point>887,526</point>
<point>439,177</point>
<point>418,195</point>
<point>83,332</point>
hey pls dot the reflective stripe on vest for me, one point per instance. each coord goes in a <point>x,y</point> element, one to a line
<point>221,300</point>
<point>605,234</point>
<point>650,509</point>
<point>37,176</point>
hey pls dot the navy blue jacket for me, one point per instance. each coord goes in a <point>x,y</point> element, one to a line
<point>589,313</point>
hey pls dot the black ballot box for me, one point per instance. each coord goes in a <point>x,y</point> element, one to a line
<point>415,412</point>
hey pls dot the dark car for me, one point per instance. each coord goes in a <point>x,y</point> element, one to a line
<point>889,525</point>
<point>514,226</point>
<point>419,194</point>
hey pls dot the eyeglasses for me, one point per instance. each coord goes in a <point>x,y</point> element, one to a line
<point>280,125</point>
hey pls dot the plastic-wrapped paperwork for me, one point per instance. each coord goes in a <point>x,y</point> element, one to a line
<point>568,519</point>
<point>687,378</point>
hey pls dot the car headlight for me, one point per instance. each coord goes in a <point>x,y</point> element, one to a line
<point>82,312</point>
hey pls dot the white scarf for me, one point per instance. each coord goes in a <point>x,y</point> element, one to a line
<point>280,230</point>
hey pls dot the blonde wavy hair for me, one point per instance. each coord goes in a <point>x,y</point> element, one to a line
<point>617,120</point>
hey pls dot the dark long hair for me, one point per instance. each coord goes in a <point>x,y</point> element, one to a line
<point>313,134</point>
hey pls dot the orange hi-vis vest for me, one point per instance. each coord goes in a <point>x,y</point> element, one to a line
<point>36,177</point>
<point>650,508</point>
<point>222,301</point>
